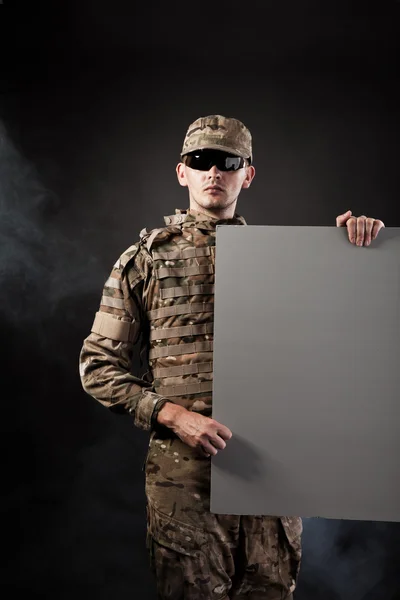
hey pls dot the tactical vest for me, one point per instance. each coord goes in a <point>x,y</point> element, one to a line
<point>180,310</point>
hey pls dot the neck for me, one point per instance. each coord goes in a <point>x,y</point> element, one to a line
<point>227,212</point>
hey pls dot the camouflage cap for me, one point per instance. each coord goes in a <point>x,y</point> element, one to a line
<point>219,133</point>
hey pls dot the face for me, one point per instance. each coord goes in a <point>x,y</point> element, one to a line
<point>214,191</point>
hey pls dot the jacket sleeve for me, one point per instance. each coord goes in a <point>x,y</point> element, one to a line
<point>106,356</point>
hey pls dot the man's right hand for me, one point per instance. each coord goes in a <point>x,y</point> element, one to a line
<point>194,429</point>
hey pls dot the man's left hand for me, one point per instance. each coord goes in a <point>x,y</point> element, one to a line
<point>362,229</point>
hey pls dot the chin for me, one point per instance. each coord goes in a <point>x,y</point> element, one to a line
<point>214,203</point>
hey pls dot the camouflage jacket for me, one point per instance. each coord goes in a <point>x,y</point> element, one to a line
<point>161,292</point>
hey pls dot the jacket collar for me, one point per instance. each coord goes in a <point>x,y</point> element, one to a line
<point>192,218</point>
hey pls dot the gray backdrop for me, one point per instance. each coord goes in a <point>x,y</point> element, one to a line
<point>307,373</point>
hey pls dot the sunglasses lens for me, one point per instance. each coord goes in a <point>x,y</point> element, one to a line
<point>203,160</point>
<point>233,163</point>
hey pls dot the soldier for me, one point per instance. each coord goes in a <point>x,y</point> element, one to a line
<point>160,293</point>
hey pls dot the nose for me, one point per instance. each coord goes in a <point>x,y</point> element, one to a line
<point>214,172</point>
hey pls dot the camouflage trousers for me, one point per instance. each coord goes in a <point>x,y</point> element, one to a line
<point>198,555</point>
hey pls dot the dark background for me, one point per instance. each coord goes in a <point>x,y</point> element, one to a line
<point>95,99</point>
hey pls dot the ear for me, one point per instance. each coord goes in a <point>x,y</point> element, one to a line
<point>250,173</point>
<point>181,174</point>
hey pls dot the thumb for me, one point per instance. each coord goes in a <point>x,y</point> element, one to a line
<point>341,219</point>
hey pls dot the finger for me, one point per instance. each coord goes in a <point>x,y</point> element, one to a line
<point>204,453</point>
<point>378,225</point>
<point>369,224</point>
<point>208,448</point>
<point>223,431</point>
<point>217,442</point>
<point>351,229</point>
<point>361,230</point>
<point>341,219</point>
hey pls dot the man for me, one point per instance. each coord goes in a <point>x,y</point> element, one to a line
<point>160,291</point>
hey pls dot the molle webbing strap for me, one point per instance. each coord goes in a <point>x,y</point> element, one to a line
<point>108,326</point>
<point>179,349</point>
<point>184,271</point>
<point>186,330</point>
<point>113,282</point>
<point>181,254</point>
<point>187,290</point>
<point>180,309</point>
<point>184,390</point>
<point>183,370</point>
<point>113,302</point>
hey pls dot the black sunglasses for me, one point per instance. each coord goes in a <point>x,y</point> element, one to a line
<point>203,160</point>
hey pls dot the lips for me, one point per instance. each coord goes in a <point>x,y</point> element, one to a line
<point>215,188</point>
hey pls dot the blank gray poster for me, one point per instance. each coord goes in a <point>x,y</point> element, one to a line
<point>307,373</point>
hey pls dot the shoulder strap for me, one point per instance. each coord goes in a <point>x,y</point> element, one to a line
<point>126,256</point>
<point>160,234</point>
